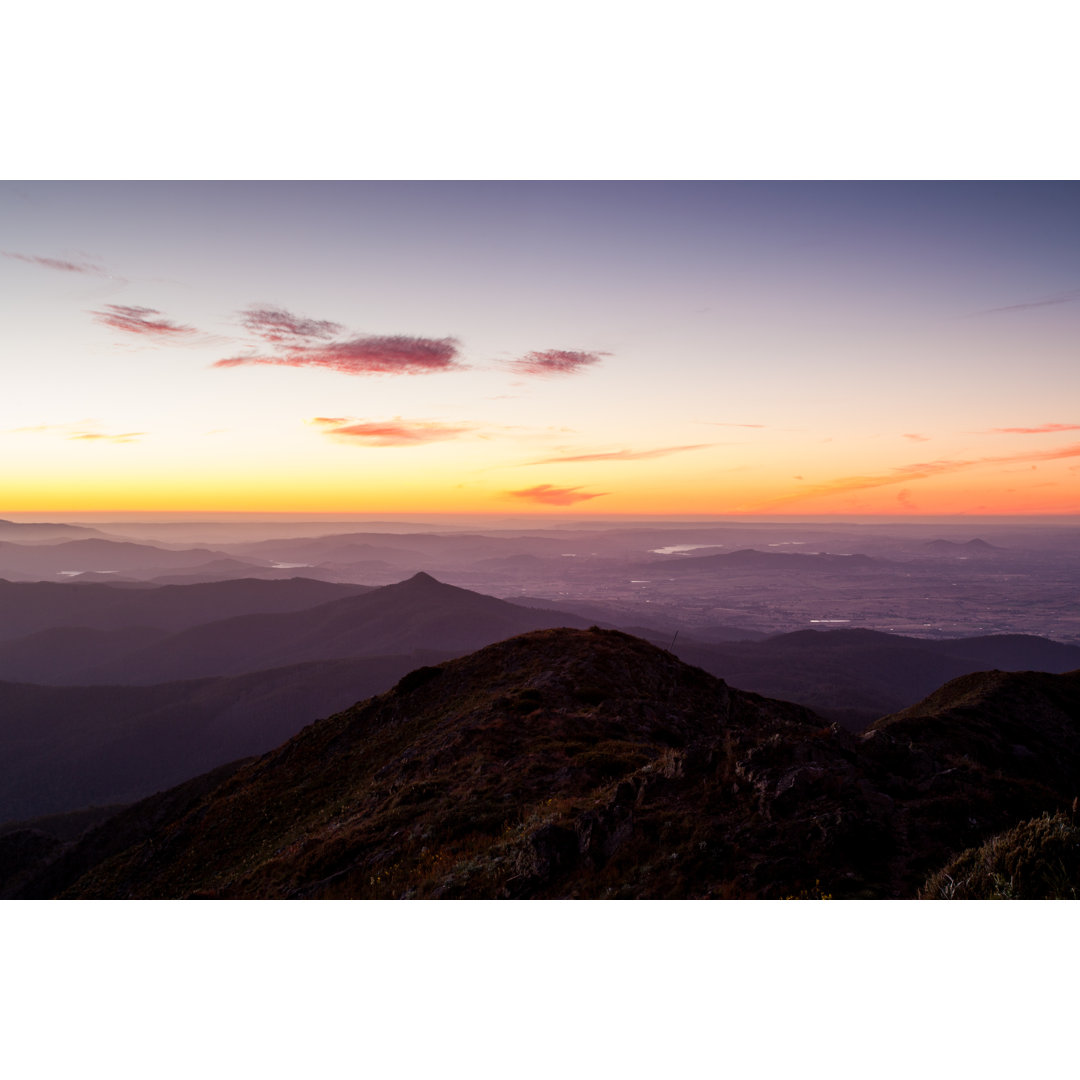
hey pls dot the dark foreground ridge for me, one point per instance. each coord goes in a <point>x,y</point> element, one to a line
<point>588,763</point>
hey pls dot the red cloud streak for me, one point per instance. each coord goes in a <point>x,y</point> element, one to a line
<point>139,320</point>
<point>553,496</point>
<point>555,362</point>
<point>1042,429</point>
<point>921,470</point>
<point>396,355</point>
<point>395,432</point>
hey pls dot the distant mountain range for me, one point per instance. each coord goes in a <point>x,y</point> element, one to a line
<point>750,559</point>
<point>587,763</point>
<point>420,613</point>
<point>855,676</point>
<point>35,532</point>
<point>36,560</point>
<point>955,547</point>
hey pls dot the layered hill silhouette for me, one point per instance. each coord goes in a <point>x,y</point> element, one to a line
<point>856,676</point>
<point>29,606</point>
<point>63,748</point>
<point>37,532</point>
<point>46,560</point>
<point>587,763</point>
<point>72,634</point>
<point>420,613</point>
<point>128,707</point>
<point>161,719</point>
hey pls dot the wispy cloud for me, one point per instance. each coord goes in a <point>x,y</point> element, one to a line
<point>920,471</point>
<point>123,437</point>
<point>555,496</point>
<point>58,264</point>
<point>620,455</point>
<point>396,432</point>
<point>555,362</point>
<point>914,436</point>
<point>715,423</point>
<point>144,321</point>
<point>279,326</point>
<point>1066,297</point>
<point>396,355</point>
<point>82,430</point>
<point>1042,429</point>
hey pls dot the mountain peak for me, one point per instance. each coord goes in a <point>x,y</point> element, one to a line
<point>421,583</point>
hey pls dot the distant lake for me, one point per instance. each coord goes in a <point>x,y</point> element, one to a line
<point>675,549</point>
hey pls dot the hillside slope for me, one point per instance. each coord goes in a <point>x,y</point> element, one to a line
<point>568,763</point>
<point>63,748</point>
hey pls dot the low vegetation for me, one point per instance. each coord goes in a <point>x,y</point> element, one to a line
<point>1035,860</point>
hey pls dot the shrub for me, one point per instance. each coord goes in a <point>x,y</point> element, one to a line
<point>1036,860</point>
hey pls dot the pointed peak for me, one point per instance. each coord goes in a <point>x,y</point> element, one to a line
<point>419,580</point>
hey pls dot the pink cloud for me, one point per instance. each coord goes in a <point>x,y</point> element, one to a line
<point>553,496</point>
<point>621,455</point>
<point>58,264</point>
<point>278,326</point>
<point>916,437</point>
<point>555,362</point>
<point>397,355</point>
<point>140,320</point>
<point>1042,429</point>
<point>396,432</point>
<point>713,423</point>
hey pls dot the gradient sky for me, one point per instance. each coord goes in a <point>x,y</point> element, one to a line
<point>620,348</point>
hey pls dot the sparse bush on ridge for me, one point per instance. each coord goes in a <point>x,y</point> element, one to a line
<point>1036,860</point>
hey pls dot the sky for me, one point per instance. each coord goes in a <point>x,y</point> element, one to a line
<point>683,349</point>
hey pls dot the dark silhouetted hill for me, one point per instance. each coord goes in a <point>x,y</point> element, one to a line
<point>570,763</point>
<point>967,548</point>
